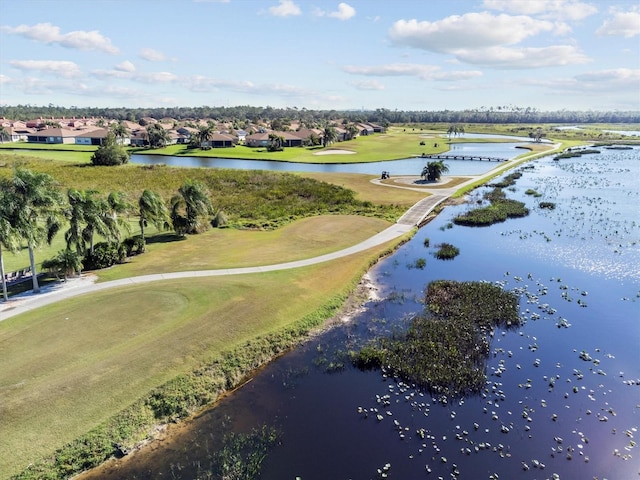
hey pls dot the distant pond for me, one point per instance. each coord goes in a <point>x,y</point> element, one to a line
<point>407,166</point>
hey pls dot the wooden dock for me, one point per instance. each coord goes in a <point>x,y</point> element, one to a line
<point>466,157</point>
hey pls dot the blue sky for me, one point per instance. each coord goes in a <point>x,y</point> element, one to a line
<point>322,54</point>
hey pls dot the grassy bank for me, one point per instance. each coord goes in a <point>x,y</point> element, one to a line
<point>68,371</point>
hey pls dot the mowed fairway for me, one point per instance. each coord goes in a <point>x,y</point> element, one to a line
<point>69,366</point>
<point>230,248</point>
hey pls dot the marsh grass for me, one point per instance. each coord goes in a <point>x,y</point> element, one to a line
<point>446,347</point>
<point>446,251</point>
<point>499,209</point>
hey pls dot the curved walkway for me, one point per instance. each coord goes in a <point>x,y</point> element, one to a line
<point>86,283</point>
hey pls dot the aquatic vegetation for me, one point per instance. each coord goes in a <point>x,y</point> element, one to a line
<point>446,251</point>
<point>547,205</point>
<point>242,454</point>
<point>446,347</point>
<point>508,180</point>
<point>576,153</point>
<point>499,209</point>
<point>532,192</point>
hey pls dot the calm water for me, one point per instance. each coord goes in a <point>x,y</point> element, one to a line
<point>577,268</point>
<point>408,166</point>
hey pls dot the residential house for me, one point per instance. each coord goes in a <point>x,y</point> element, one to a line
<point>52,135</point>
<point>376,128</point>
<point>220,140</point>
<point>97,137</point>
<point>262,139</point>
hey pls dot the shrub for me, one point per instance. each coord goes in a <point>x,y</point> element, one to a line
<point>110,153</point>
<point>134,245</point>
<point>104,255</point>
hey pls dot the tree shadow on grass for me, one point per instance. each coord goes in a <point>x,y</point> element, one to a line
<point>164,238</point>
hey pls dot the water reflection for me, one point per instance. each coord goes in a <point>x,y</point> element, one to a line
<point>408,166</point>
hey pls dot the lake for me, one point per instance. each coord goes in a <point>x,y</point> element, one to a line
<point>563,391</point>
<point>408,166</point>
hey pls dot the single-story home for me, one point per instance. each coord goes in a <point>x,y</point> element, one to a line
<point>97,136</point>
<point>52,135</point>
<point>220,140</point>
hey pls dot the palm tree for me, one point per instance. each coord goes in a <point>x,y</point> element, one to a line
<point>352,131</point>
<point>152,210</point>
<point>81,202</point>
<point>275,143</point>
<point>434,170</point>
<point>36,211</point>
<point>157,135</point>
<point>205,134</point>
<point>119,130</point>
<point>66,261</point>
<point>329,136</point>
<point>187,208</point>
<point>4,134</point>
<point>89,215</point>
<point>8,239</point>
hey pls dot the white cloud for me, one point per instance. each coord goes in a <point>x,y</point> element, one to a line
<point>58,68</point>
<point>626,24</point>
<point>141,77</point>
<point>152,55</point>
<point>424,72</point>
<point>518,58</point>
<point>611,80</point>
<point>285,8</point>
<point>4,79</point>
<point>368,85</point>
<point>50,34</point>
<point>556,9</point>
<point>488,40</point>
<point>126,66</point>
<point>614,81</point>
<point>471,31</point>
<point>344,12</point>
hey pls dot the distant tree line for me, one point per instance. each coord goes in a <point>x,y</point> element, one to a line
<point>239,116</point>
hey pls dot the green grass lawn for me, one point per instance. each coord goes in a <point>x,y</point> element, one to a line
<point>71,365</point>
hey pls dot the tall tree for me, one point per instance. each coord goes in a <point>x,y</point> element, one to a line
<point>37,213</point>
<point>352,131</point>
<point>205,134</point>
<point>81,203</point>
<point>329,136</point>
<point>120,131</point>
<point>9,239</point>
<point>189,206</point>
<point>4,134</point>
<point>275,143</point>
<point>434,170</point>
<point>158,137</point>
<point>152,211</point>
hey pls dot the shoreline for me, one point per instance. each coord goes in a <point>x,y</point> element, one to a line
<point>348,307</point>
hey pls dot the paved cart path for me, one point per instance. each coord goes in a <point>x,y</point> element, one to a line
<point>86,283</point>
